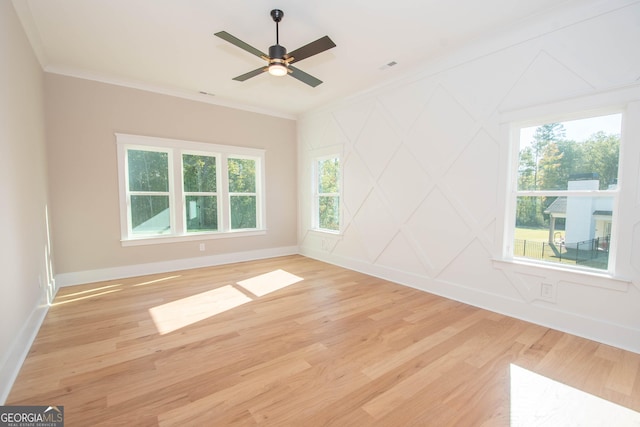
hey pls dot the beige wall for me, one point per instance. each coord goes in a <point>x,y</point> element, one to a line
<point>82,117</point>
<point>23,190</point>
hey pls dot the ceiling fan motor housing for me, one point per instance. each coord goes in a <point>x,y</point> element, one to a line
<point>277,52</point>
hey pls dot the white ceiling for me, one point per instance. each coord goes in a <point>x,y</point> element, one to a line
<point>169,46</point>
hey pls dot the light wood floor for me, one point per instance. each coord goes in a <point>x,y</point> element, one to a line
<point>220,346</point>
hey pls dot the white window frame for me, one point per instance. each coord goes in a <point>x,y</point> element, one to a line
<point>514,193</point>
<point>128,193</point>
<point>315,220</point>
<point>228,194</point>
<point>176,148</point>
<point>181,194</point>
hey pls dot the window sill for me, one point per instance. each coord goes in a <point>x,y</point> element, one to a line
<point>156,240</point>
<point>584,276</point>
<point>324,232</point>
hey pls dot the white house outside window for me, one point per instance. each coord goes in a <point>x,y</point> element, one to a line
<point>172,190</point>
<point>567,191</point>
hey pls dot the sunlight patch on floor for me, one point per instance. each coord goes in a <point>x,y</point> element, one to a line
<point>187,311</point>
<point>269,282</point>
<point>150,282</point>
<point>540,401</point>
<point>83,295</point>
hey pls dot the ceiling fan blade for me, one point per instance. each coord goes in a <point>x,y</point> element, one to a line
<point>242,45</point>
<point>247,76</point>
<point>304,77</point>
<point>313,48</point>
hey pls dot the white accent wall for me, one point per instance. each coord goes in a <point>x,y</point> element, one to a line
<point>426,163</point>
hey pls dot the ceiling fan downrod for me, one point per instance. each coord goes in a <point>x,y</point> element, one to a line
<point>277,16</point>
<point>277,51</point>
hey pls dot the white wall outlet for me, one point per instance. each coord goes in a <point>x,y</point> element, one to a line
<point>548,291</point>
<point>202,247</point>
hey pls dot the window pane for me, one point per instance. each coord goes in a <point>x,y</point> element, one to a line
<point>242,175</point>
<point>571,230</point>
<point>199,173</point>
<point>328,175</point>
<point>554,154</point>
<point>150,214</point>
<point>329,212</point>
<point>243,212</point>
<point>148,170</point>
<point>202,213</point>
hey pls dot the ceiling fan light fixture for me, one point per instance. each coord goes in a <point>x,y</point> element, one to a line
<point>278,69</point>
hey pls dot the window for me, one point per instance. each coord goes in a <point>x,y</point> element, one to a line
<point>566,192</point>
<point>174,190</point>
<point>148,191</point>
<point>200,192</point>
<point>243,197</point>
<point>327,193</point>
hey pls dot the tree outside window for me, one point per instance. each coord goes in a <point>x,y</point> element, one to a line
<point>242,193</point>
<point>200,192</point>
<point>328,193</point>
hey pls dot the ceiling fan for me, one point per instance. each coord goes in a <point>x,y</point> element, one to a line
<point>279,61</point>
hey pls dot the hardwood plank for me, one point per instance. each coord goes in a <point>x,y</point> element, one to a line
<point>335,348</point>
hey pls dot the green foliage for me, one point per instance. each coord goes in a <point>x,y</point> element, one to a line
<point>600,154</point>
<point>549,132</point>
<point>329,212</point>
<point>149,173</point>
<point>148,170</point>
<point>199,176</point>
<point>328,189</point>
<point>329,174</point>
<point>529,211</point>
<point>201,213</point>
<point>243,212</point>
<point>199,173</point>
<point>242,175</point>
<point>242,179</point>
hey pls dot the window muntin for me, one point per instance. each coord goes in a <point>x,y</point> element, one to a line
<point>327,194</point>
<point>172,190</point>
<point>566,192</point>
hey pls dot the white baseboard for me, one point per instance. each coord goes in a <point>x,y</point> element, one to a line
<point>548,316</point>
<point>90,276</point>
<point>15,356</point>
